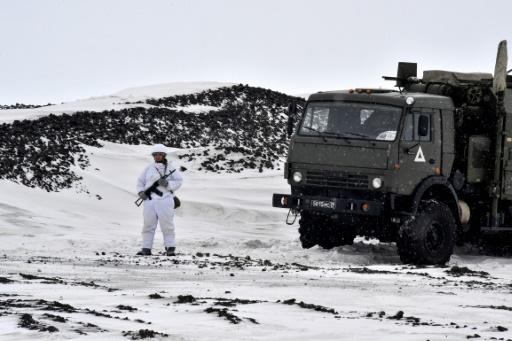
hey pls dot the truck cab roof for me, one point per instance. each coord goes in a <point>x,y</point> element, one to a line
<point>389,97</point>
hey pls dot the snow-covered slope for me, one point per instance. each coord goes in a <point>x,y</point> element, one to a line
<point>128,98</point>
<point>169,89</point>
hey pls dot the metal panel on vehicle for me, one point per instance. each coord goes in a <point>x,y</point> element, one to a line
<point>325,154</point>
<point>479,156</point>
<point>336,179</point>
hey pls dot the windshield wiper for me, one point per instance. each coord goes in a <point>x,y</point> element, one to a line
<point>338,135</point>
<point>329,133</point>
<point>317,131</point>
<point>355,134</point>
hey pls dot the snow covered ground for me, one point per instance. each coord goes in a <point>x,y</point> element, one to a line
<point>67,260</point>
<point>68,270</point>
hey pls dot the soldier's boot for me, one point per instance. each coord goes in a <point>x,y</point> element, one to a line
<point>144,252</point>
<point>170,251</point>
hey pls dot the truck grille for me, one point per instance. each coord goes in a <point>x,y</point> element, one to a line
<point>340,180</point>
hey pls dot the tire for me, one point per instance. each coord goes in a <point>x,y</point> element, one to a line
<point>429,237</point>
<point>324,232</point>
<point>307,235</point>
<point>328,241</point>
<point>337,236</point>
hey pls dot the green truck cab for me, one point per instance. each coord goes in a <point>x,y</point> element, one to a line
<point>424,166</point>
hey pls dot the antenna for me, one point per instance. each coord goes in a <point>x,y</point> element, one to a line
<point>499,82</point>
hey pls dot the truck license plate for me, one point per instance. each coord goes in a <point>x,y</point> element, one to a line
<point>324,204</point>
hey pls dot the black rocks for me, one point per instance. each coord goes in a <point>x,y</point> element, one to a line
<point>398,316</point>
<point>56,280</point>
<point>498,307</point>
<point>224,312</point>
<point>55,318</point>
<point>27,321</point>
<point>457,271</point>
<point>315,307</point>
<point>155,296</point>
<point>51,280</point>
<point>142,334</point>
<point>365,270</point>
<point>126,307</point>
<point>22,106</point>
<point>56,306</point>
<point>185,299</point>
<point>246,131</point>
<point>4,280</point>
<point>233,302</point>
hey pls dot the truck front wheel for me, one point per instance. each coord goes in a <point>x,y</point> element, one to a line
<point>429,237</point>
<point>325,232</point>
<point>308,230</point>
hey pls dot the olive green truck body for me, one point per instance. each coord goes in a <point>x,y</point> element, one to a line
<point>426,165</point>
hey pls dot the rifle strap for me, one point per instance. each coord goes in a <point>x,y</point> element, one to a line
<point>163,176</point>
<point>165,170</point>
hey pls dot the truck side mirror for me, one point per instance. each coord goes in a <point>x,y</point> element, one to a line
<point>423,125</point>
<point>292,111</point>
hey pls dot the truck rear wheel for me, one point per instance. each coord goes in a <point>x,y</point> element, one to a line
<point>429,237</point>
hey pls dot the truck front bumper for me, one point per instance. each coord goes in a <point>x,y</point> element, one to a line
<point>328,205</point>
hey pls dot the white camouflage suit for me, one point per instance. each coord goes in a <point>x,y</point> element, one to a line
<point>159,208</point>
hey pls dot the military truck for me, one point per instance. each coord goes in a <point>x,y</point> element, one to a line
<point>426,165</point>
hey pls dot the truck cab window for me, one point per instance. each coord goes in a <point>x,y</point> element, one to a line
<point>417,126</point>
<point>363,121</point>
<point>317,119</point>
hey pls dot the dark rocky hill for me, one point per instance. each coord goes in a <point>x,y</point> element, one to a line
<point>246,131</point>
<point>22,106</point>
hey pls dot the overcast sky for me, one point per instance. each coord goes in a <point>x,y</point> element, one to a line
<point>61,50</point>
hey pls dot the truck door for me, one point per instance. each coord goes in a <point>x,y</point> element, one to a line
<point>420,148</point>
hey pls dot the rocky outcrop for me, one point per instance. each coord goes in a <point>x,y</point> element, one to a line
<point>243,128</point>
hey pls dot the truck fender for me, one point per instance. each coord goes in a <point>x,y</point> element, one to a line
<point>438,188</point>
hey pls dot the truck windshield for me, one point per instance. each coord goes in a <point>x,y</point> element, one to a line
<point>351,120</point>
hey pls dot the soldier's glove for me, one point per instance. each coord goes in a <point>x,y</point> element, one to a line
<point>163,182</point>
<point>143,195</point>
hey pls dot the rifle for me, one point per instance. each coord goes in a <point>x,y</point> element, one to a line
<point>148,191</point>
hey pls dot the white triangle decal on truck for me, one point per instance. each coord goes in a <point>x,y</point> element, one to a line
<point>419,156</point>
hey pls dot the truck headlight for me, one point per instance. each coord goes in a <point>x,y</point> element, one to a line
<point>297,176</point>
<point>377,183</point>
